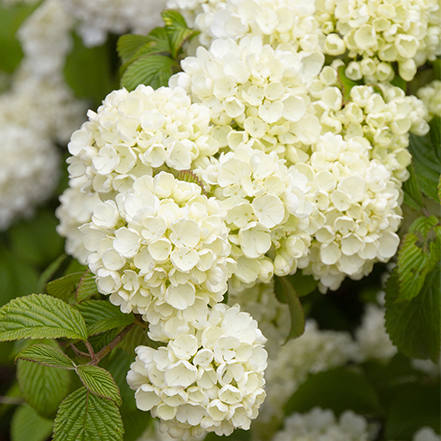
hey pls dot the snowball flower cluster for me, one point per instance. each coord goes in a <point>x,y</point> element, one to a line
<point>261,91</point>
<point>267,210</point>
<point>134,133</point>
<point>28,172</point>
<point>359,203</point>
<point>403,31</point>
<point>159,249</point>
<point>275,21</point>
<point>207,380</point>
<point>431,97</point>
<point>426,434</point>
<point>320,424</point>
<point>99,17</point>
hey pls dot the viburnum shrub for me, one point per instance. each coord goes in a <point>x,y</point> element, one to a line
<point>251,220</point>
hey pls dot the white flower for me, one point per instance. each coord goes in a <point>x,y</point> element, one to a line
<point>99,17</point>
<point>160,250</point>
<point>29,172</point>
<point>134,133</point>
<point>431,97</point>
<point>210,380</point>
<point>322,424</point>
<point>426,434</point>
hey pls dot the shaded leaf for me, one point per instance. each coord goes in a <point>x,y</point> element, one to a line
<point>129,44</point>
<point>99,381</point>
<point>414,325</point>
<point>137,336</point>
<point>40,316</point>
<point>47,356</point>
<point>346,84</point>
<point>101,315</point>
<point>412,192</point>
<point>83,416</point>
<point>65,287</point>
<point>86,287</point>
<point>27,425</point>
<point>50,271</point>
<point>152,70</point>
<point>303,284</point>
<point>295,307</point>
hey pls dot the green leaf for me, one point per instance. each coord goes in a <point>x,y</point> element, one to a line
<point>85,417</point>
<point>88,71</point>
<point>337,389</point>
<point>50,271</point>
<point>435,134</point>
<point>346,84</point>
<point>177,30</point>
<point>423,225</point>
<point>414,326</point>
<point>101,315</point>
<point>152,70</point>
<point>412,406</point>
<point>129,44</point>
<point>42,387</point>
<point>86,287</point>
<point>427,164</point>
<point>27,425</point>
<point>99,381</point>
<point>40,316</point>
<point>303,285</point>
<point>47,356</point>
<point>286,290</point>
<point>65,287</point>
<point>137,336</point>
<point>412,191</point>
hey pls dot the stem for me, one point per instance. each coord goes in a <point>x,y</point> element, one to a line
<point>92,354</point>
<point>78,352</point>
<point>11,400</point>
<point>96,358</point>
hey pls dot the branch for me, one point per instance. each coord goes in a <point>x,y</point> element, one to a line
<point>79,353</point>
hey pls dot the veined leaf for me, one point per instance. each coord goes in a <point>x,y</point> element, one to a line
<point>423,225</point>
<point>27,425</point>
<point>177,30</point>
<point>83,416</point>
<point>86,287</point>
<point>129,44</point>
<point>99,381</point>
<point>101,316</point>
<point>412,192</point>
<point>42,387</point>
<point>50,271</point>
<point>414,325</point>
<point>64,288</point>
<point>40,316</point>
<point>47,356</point>
<point>137,336</point>
<point>295,307</point>
<point>152,70</point>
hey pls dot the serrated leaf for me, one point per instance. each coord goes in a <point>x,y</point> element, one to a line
<point>64,288</point>
<point>338,389</point>
<point>177,30</point>
<point>152,70</point>
<point>427,164</point>
<point>414,326</point>
<point>99,381</point>
<point>27,425</point>
<point>190,176</point>
<point>346,84</point>
<point>47,356</point>
<point>287,292</point>
<point>85,417</point>
<point>86,287</point>
<point>101,316</point>
<point>129,44</point>
<point>412,191</point>
<point>42,387</point>
<point>423,225</point>
<point>40,316</point>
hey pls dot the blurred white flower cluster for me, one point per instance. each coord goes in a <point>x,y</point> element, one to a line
<point>431,97</point>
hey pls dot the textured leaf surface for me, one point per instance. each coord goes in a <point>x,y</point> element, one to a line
<point>414,325</point>
<point>152,70</point>
<point>42,387</point>
<point>64,287</point>
<point>412,191</point>
<point>40,316</point>
<point>129,44</point>
<point>99,381</point>
<point>284,286</point>
<point>101,315</point>
<point>86,287</point>
<point>27,425</point>
<point>47,356</point>
<point>85,417</point>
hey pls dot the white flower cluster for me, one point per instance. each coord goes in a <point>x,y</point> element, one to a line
<point>426,434</point>
<point>267,212</point>
<point>319,424</point>
<point>207,380</point>
<point>382,32</point>
<point>359,204</point>
<point>275,21</point>
<point>98,17</point>
<point>160,250</point>
<point>430,95</point>
<point>28,172</point>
